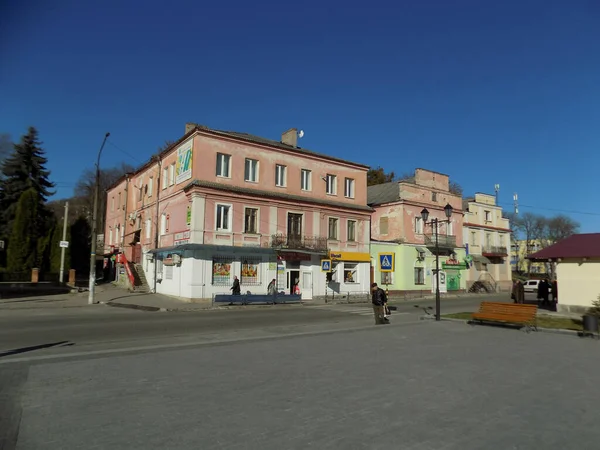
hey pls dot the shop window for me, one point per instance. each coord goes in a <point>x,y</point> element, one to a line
<point>250,271</point>
<point>350,272</point>
<point>221,271</point>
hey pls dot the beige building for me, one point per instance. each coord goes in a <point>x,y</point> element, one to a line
<point>487,239</point>
<point>577,261</point>
<point>519,250</point>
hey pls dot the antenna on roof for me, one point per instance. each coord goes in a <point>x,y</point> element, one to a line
<point>516,200</point>
<point>497,189</point>
<point>301,134</point>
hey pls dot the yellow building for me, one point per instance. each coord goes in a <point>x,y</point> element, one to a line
<point>519,261</point>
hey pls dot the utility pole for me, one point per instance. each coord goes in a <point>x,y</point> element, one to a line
<point>157,231</point>
<point>92,284</point>
<point>63,249</point>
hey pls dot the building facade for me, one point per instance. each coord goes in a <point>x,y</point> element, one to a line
<point>519,251</point>
<point>218,204</point>
<point>399,233</point>
<point>486,234</point>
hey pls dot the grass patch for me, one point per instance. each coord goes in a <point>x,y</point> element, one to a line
<point>542,322</point>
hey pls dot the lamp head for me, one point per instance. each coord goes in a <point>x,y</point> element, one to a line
<point>425,214</point>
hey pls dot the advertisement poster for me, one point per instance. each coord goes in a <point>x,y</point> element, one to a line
<point>221,273</point>
<point>183,168</point>
<point>249,273</point>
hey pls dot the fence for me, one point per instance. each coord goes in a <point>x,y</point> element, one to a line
<point>15,277</point>
<point>347,297</point>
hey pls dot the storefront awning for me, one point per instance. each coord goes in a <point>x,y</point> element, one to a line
<point>349,256</point>
<point>480,258</point>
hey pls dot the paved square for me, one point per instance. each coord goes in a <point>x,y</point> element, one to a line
<point>428,386</point>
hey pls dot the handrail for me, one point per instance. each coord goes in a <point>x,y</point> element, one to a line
<point>128,270</point>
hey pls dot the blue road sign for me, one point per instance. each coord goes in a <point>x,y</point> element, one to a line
<point>386,262</point>
<point>325,265</point>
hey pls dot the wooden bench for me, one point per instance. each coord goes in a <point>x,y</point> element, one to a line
<point>509,313</point>
<point>257,298</point>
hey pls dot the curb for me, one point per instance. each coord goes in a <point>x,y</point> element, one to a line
<point>138,307</point>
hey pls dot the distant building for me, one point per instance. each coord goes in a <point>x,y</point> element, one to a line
<point>518,258</point>
<point>577,260</point>
<point>398,231</point>
<point>487,238</point>
<point>218,204</point>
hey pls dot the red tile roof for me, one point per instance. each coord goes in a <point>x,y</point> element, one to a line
<point>576,246</point>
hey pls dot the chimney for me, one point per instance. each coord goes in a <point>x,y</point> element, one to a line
<point>290,137</point>
<point>189,127</point>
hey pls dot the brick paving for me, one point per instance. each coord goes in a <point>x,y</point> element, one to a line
<point>428,386</point>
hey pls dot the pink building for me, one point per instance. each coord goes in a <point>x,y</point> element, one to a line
<point>232,204</point>
<point>398,230</point>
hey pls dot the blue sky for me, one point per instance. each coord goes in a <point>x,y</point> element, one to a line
<point>485,91</point>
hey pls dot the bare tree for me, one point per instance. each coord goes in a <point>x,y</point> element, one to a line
<point>561,227</point>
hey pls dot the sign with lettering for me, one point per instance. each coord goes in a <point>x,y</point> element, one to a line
<point>181,238</point>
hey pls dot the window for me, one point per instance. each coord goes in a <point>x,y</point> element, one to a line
<point>488,216</point>
<point>418,225</point>
<point>473,238</point>
<point>251,220</point>
<point>294,228</point>
<point>148,228</point>
<point>305,180</point>
<point>383,225</point>
<point>223,162</point>
<point>112,204</point>
<point>165,178</point>
<point>386,278</point>
<point>140,193</point>
<point>434,196</point>
<point>251,171</point>
<point>349,188</point>
<point>223,218</point>
<point>350,272</point>
<point>164,223</point>
<point>333,228</point>
<point>110,236</point>
<point>280,177</point>
<point>172,174</point>
<point>250,271</point>
<point>119,202</point>
<point>117,230</point>
<point>450,229</point>
<point>419,275</point>
<point>221,271</point>
<point>488,239</point>
<point>351,231</point>
<point>331,184</point>
<point>150,186</point>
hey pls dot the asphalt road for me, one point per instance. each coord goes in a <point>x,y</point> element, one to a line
<point>424,386</point>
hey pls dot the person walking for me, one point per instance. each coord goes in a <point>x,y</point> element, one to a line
<point>379,301</point>
<point>272,288</point>
<point>236,289</point>
<point>543,289</point>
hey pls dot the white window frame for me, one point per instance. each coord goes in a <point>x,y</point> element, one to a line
<point>355,222</point>
<point>150,186</point>
<point>148,228</point>
<point>280,175</point>
<point>257,219</point>
<point>331,184</point>
<point>110,236</point>
<point>112,203</point>
<point>172,174</point>
<point>249,171</point>
<point>349,187</point>
<point>163,224</point>
<point>165,179</point>
<point>225,168</point>
<point>229,216</point>
<point>337,228</point>
<point>306,180</point>
<point>419,225</point>
<point>356,278</point>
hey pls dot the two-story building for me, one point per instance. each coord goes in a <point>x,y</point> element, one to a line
<point>218,204</point>
<point>486,234</point>
<point>398,232</point>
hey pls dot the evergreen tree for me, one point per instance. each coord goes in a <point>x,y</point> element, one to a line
<point>80,245</point>
<point>55,250</point>
<point>22,246</point>
<point>25,169</point>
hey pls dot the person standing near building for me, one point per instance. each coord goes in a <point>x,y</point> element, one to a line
<point>236,289</point>
<point>379,301</point>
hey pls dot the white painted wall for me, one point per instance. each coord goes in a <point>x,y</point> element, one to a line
<point>578,282</point>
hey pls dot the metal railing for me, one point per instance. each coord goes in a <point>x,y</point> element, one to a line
<point>444,240</point>
<point>494,250</point>
<point>317,243</point>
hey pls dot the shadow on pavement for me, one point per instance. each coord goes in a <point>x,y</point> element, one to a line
<point>17,351</point>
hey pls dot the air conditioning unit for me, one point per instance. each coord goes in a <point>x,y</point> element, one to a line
<point>176,259</point>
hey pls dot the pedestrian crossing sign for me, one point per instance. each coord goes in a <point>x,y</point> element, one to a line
<point>386,262</point>
<point>325,265</point>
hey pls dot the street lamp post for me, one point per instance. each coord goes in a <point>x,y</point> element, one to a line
<point>92,284</point>
<point>435,224</point>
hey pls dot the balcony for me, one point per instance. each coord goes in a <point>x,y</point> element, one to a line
<point>445,242</point>
<point>309,243</point>
<point>494,251</point>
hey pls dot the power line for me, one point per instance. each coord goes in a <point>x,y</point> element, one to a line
<point>566,211</point>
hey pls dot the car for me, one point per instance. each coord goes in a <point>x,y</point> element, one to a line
<point>531,286</point>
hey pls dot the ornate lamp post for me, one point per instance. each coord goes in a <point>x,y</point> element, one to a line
<point>435,225</point>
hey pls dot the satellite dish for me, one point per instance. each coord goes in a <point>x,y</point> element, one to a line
<point>301,134</point>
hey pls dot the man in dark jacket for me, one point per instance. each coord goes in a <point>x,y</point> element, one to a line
<point>236,288</point>
<point>379,300</point>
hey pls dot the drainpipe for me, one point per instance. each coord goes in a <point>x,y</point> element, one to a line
<point>156,231</point>
<point>125,214</point>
